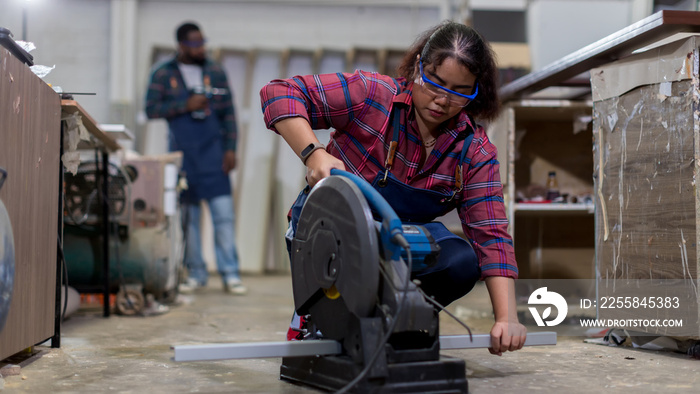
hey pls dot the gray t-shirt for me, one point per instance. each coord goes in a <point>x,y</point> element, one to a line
<point>192,74</point>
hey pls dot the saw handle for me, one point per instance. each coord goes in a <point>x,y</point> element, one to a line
<point>392,234</point>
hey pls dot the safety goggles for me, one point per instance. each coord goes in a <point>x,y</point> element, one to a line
<point>194,44</point>
<point>434,90</point>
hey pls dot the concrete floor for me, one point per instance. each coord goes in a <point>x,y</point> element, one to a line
<point>132,354</point>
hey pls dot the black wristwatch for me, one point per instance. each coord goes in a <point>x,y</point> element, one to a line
<point>311,148</point>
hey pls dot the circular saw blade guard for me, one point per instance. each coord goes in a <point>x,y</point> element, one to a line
<point>335,252</point>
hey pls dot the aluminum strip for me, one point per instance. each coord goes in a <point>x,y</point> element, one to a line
<point>223,351</point>
<point>226,351</point>
<point>484,340</point>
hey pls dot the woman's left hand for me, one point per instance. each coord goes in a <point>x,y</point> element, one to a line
<point>507,336</point>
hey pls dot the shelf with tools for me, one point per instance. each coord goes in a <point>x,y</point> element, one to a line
<point>554,238</point>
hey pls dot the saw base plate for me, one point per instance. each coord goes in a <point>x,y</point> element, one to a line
<point>446,375</point>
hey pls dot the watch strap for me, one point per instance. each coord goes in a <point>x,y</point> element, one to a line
<point>311,148</point>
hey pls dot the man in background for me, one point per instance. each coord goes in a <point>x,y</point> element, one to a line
<point>192,93</point>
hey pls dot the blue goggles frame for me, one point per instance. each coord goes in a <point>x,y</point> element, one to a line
<point>194,44</point>
<point>470,97</point>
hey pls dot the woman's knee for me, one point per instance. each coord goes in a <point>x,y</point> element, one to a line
<point>455,273</point>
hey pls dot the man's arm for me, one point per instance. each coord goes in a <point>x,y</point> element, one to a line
<point>223,108</point>
<point>160,100</point>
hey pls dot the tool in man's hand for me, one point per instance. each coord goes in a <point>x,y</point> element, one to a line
<point>352,276</point>
<point>208,92</point>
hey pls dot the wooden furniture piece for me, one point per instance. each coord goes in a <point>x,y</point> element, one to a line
<point>30,141</point>
<point>558,98</point>
<point>553,240</point>
<point>647,142</point>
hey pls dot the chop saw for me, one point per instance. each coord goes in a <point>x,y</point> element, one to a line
<point>374,330</point>
<point>349,275</point>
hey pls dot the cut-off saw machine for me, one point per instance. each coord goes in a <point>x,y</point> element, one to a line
<point>374,329</point>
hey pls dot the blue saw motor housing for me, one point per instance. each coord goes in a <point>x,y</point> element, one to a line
<point>424,249</point>
<point>397,237</point>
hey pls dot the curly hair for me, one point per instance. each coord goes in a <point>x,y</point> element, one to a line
<point>464,44</point>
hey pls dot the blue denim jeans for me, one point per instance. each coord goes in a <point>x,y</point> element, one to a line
<point>222,215</point>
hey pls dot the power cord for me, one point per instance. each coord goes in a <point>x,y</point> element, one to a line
<point>443,309</point>
<point>398,238</point>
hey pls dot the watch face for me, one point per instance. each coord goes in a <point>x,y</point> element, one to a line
<point>307,150</point>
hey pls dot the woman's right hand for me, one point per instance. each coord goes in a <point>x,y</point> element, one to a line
<point>319,165</point>
<point>298,134</point>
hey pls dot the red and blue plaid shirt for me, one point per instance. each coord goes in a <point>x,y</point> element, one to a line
<point>358,106</point>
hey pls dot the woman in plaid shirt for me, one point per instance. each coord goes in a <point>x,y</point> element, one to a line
<point>416,140</point>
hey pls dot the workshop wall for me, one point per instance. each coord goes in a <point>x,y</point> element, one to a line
<point>107,47</point>
<point>75,34</point>
<point>263,26</point>
<point>556,28</point>
<point>72,35</point>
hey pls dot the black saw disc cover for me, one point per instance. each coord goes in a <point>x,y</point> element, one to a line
<point>335,256</point>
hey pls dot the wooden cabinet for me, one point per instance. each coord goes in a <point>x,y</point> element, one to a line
<point>30,135</point>
<point>546,144</point>
<point>552,240</point>
<point>644,163</point>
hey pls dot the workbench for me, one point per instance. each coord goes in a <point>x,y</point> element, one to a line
<point>99,140</point>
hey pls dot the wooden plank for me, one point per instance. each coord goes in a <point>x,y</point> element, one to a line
<point>615,46</point>
<point>253,222</point>
<point>29,150</point>
<point>238,65</point>
<point>288,177</point>
<point>365,59</point>
<point>390,60</point>
<point>330,61</point>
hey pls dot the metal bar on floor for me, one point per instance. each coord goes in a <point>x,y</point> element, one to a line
<point>224,351</point>
<point>484,340</point>
<point>325,347</point>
